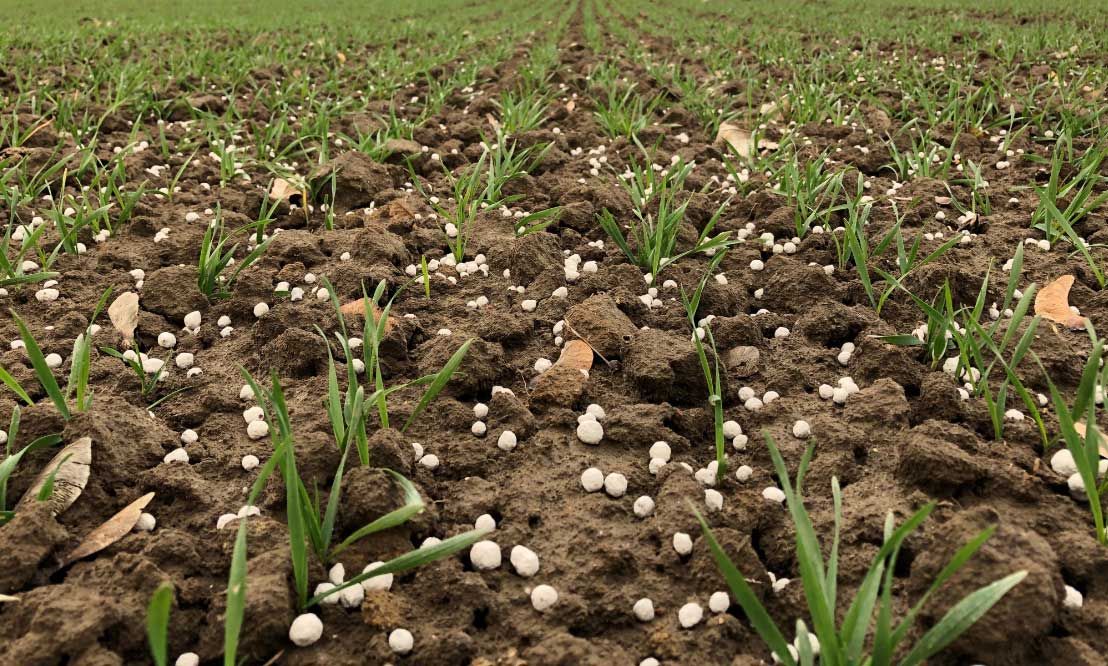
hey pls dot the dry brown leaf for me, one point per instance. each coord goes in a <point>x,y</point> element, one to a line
<point>1102,441</point>
<point>341,57</point>
<point>356,308</point>
<point>742,361</point>
<point>282,189</point>
<point>570,106</point>
<point>739,138</point>
<point>124,315</point>
<point>576,354</point>
<point>114,529</point>
<point>1053,303</point>
<point>7,597</point>
<point>398,209</point>
<point>773,110</point>
<point>72,465</point>
<point>493,121</point>
<point>566,379</point>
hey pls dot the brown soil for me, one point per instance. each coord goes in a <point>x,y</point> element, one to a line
<point>905,439</point>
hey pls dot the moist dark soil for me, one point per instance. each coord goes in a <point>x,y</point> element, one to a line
<point>904,440</point>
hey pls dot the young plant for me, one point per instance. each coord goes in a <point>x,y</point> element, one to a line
<point>658,218</point>
<point>975,345</point>
<point>1085,441</point>
<point>215,257</point>
<point>77,385</point>
<point>137,361</point>
<point>236,578</point>
<point>624,115</point>
<point>11,460</point>
<point>508,162</point>
<point>157,623</point>
<point>855,249</point>
<point>712,376</point>
<point>345,421</point>
<point>11,270</point>
<point>849,641</point>
<point>309,526</point>
<point>469,201</point>
<point>521,111</point>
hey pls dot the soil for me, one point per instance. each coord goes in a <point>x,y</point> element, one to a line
<point>904,440</point>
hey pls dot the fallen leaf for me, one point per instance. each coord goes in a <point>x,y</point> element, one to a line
<point>773,110</point>
<point>72,465</point>
<point>114,529</point>
<point>398,209</point>
<point>1102,441</point>
<point>7,597</point>
<point>570,106</point>
<point>737,137</point>
<point>356,308</point>
<point>493,121</point>
<point>282,190</point>
<point>742,361</point>
<point>566,379</point>
<point>123,313</point>
<point>1052,302</point>
<point>341,57</point>
<point>576,354</point>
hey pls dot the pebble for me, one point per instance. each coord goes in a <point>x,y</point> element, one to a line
<point>401,641</point>
<point>682,543</point>
<point>719,602</point>
<point>543,597</point>
<point>524,561</point>
<point>306,629</point>
<point>690,615</point>
<point>660,451</point>
<point>592,479</point>
<point>643,610</point>
<point>485,555</point>
<point>774,494</point>
<point>382,582</point>
<point>590,432</point>
<point>1074,599</point>
<point>615,484</point>
<point>1062,462</point>
<point>507,441</point>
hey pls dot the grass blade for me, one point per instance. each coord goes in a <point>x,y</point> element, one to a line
<point>38,361</point>
<point>157,623</point>
<point>441,378</point>
<point>960,618</point>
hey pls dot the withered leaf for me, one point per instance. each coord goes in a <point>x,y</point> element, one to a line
<point>123,313</point>
<point>356,308</point>
<point>282,189</point>
<point>742,361</point>
<point>1053,303</point>
<point>566,379</point>
<point>72,464</point>
<point>1101,440</point>
<point>576,354</point>
<point>114,529</point>
<point>739,138</point>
